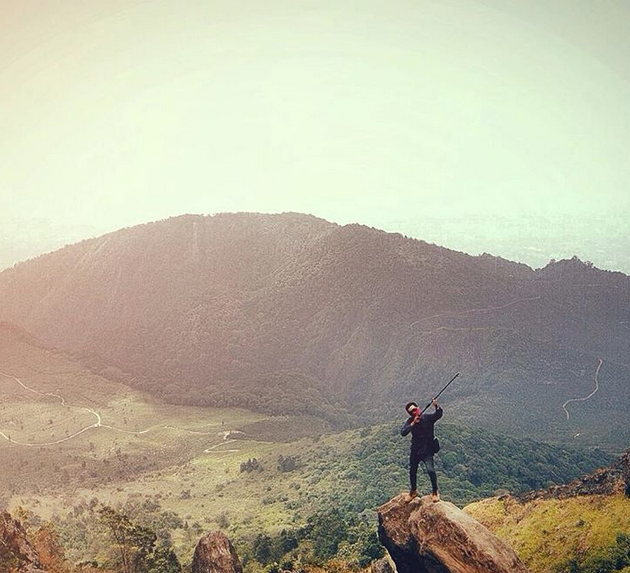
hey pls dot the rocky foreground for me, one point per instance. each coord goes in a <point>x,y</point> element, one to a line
<point>421,537</point>
<point>215,554</point>
<point>426,537</point>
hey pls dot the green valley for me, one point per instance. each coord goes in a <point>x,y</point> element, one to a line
<point>73,440</point>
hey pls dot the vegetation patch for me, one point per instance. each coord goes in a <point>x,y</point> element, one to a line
<point>552,534</point>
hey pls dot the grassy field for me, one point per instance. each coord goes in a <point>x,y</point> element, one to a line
<point>70,436</point>
<point>63,426</point>
<point>547,533</point>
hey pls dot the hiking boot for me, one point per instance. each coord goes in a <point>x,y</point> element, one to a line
<point>413,493</point>
<point>435,496</point>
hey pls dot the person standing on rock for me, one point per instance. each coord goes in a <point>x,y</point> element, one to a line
<point>423,445</point>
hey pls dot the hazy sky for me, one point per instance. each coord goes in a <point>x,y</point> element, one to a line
<point>406,115</point>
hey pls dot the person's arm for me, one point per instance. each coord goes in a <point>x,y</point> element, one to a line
<point>437,414</point>
<point>406,427</point>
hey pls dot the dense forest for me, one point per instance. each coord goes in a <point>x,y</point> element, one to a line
<point>290,313</point>
<point>369,466</point>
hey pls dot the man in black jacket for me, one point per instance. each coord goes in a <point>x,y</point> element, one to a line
<point>422,445</point>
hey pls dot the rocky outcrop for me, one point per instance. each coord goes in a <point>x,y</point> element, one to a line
<point>426,537</point>
<point>381,566</point>
<point>215,554</point>
<point>604,481</point>
<point>16,552</point>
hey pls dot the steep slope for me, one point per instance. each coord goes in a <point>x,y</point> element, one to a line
<point>583,526</point>
<point>279,310</point>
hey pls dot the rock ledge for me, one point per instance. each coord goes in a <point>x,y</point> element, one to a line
<point>426,537</point>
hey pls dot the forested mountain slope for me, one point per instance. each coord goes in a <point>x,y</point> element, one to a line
<point>288,312</point>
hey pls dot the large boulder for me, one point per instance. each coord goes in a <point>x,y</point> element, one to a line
<point>381,566</point>
<point>215,554</point>
<point>426,537</point>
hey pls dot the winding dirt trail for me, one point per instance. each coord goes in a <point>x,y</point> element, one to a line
<point>99,424</point>
<point>585,397</point>
<point>463,329</point>
<point>213,449</point>
<point>96,424</point>
<point>473,310</point>
<point>61,398</point>
<point>62,401</point>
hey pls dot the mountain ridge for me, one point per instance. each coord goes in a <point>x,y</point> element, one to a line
<point>209,309</point>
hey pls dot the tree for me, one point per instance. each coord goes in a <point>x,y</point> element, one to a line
<point>327,530</point>
<point>136,548</point>
<point>286,464</point>
<point>49,550</point>
<point>262,548</point>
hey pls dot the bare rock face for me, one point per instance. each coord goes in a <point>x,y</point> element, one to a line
<point>16,552</point>
<point>426,537</point>
<point>215,554</point>
<point>381,566</point>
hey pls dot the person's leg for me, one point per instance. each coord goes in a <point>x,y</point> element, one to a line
<point>430,467</point>
<point>414,460</point>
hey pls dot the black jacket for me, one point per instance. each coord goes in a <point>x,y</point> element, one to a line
<point>422,431</point>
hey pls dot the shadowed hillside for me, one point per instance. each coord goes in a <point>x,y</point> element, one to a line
<point>289,312</point>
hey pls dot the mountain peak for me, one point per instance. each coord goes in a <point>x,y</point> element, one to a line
<point>565,267</point>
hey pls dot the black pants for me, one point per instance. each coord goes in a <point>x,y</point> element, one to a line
<point>427,459</point>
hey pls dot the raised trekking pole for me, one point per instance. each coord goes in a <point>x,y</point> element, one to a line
<point>442,390</point>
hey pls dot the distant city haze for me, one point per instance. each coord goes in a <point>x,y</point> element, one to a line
<point>497,126</point>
